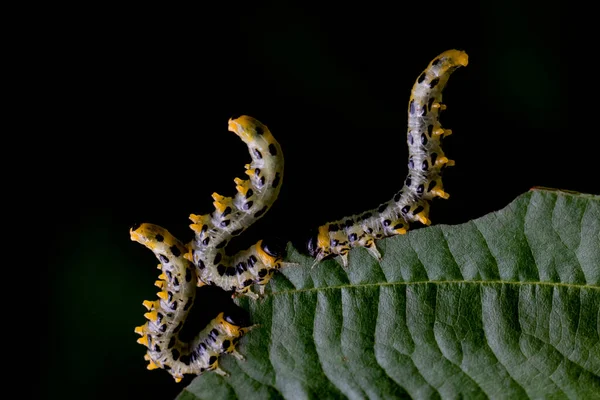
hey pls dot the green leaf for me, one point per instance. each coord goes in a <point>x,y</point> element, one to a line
<point>505,306</point>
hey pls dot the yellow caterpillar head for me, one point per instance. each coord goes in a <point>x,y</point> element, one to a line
<point>317,244</point>
<point>233,321</point>
<point>248,128</point>
<point>271,250</point>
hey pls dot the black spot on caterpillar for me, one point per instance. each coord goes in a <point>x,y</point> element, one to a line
<point>166,315</point>
<point>232,216</point>
<point>423,183</point>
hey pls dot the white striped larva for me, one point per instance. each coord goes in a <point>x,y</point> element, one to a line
<point>423,183</point>
<point>232,216</point>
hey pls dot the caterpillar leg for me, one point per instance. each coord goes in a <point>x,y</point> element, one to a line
<point>237,355</point>
<point>372,249</point>
<point>231,350</point>
<point>261,291</point>
<point>344,258</point>
<point>287,264</point>
<point>219,371</point>
<point>318,258</point>
<point>248,292</point>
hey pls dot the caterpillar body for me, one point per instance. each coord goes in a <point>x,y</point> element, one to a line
<point>232,216</point>
<point>166,315</point>
<point>203,261</point>
<point>423,183</point>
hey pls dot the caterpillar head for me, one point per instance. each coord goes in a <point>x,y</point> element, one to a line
<point>318,245</point>
<point>271,252</point>
<point>236,316</point>
<point>311,244</point>
<point>274,246</point>
<point>247,128</point>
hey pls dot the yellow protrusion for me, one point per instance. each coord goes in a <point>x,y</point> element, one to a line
<point>147,357</point>
<point>163,295</point>
<point>196,218</point>
<point>441,161</point>
<point>143,340</point>
<point>247,166</point>
<point>423,219</point>
<point>188,256</point>
<point>152,315</point>
<point>160,284</point>
<point>196,227</point>
<point>440,193</point>
<point>249,172</point>
<point>162,276</point>
<point>401,231</point>
<point>217,197</point>
<point>220,207</point>
<point>447,132</point>
<point>178,379</point>
<point>135,236</point>
<point>152,365</point>
<point>459,57</point>
<point>149,304</point>
<point>438,131</point>
<point>450,163</point>
<point>241,189</point>
<point>159,266</point>
<point>140,330</point>
<point>241,186</point>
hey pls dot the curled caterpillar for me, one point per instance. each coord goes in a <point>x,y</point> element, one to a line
<point>423,183</point>
<point>166,315</point>
<point>204,262</point>
<point>232,216</point>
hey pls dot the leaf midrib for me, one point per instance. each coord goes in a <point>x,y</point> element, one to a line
<point>448,282</point>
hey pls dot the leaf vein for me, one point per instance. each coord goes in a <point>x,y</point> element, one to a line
<point>448,282</point>
<point>437,343</point>
<point>487,247</point>
<point>447,245</point>
<point>316,349</point>
<point>487,342</point>
<point>527,219</point>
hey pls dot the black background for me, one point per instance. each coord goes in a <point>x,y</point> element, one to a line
<point>133,104</point>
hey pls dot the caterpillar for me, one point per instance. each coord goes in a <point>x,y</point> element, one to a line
<point>166,315</point>
<point>423,183</point>
<point>203,261</point>
<point>232,216</point>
